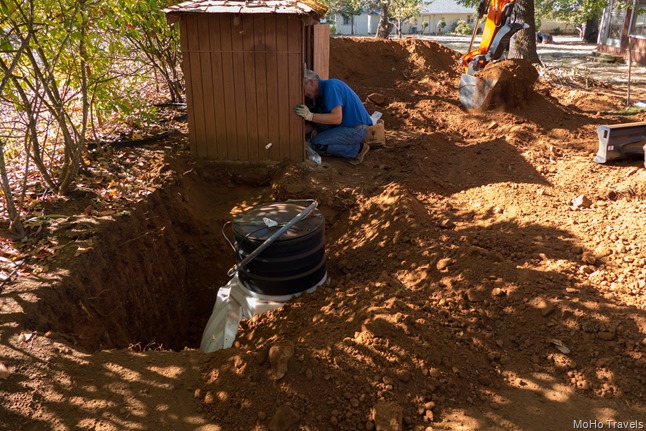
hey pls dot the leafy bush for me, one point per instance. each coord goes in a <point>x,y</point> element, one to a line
<point>462,27</point>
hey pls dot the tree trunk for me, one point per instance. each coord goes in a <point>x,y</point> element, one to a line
<point>523,43</point>
<point>384,27</point>
<point>15,224</point>
<point>30,106</point>
<point>591,31</point>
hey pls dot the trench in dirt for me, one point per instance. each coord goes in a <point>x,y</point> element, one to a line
<point>151,276</point>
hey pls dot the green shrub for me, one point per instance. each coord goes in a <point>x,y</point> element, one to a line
<point>462,27</point>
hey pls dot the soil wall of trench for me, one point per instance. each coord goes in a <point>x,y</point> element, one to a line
<point>145,279</point>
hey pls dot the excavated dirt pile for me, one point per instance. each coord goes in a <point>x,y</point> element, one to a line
<point>445,291</point>
<point>484,273</point>
<point>512,83</point>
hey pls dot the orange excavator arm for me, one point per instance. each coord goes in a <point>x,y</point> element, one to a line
<point>498,29</point>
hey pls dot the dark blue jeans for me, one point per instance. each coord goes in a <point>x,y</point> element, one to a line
<point>339,141</point>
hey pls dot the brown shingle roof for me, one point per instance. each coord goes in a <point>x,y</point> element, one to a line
<point>302,7</point>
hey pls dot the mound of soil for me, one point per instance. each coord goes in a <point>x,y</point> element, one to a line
<point>484,273</point>
<point>510,84</point>
<point>354,60</point>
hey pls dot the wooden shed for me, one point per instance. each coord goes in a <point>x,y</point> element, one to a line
<point>243,63</point>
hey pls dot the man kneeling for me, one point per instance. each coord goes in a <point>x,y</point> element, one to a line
<point>337,116</point>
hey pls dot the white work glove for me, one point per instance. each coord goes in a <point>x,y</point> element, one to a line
<point>304,112</point>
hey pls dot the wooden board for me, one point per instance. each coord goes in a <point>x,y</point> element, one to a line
<point>321,48</point>
<point>186,69</point>
<point>272,79</point>
<point>296,92</point>
<point>204,120</point>
<point>262,100</point>
<point>248,55</point>
<point>227,79</point>
<point>239,101</point>
<point>194,72</point>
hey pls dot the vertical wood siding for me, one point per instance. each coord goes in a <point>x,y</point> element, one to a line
<point>244,75</point>
<point>308,43</point>
<point>186,69</point>
<point>321,50</point>
<point>295,91</point>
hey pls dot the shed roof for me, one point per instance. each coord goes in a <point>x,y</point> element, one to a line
<point>299,7</point>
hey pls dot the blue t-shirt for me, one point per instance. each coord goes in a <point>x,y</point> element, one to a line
<point>337,93</point>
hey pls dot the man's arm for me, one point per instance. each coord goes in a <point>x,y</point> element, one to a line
<point>334,117</point>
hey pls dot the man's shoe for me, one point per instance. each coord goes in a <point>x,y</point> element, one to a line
<point>359,159</point>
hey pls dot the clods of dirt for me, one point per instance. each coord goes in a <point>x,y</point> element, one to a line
<point>511,83</point>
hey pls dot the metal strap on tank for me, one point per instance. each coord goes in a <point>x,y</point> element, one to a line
<point>273,238</point>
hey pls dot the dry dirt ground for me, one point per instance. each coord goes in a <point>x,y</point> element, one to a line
<point>485,274</point>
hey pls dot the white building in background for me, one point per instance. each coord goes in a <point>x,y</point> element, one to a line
<point>448,10</point>
<point>432,14</point>
<point>357,25</point>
